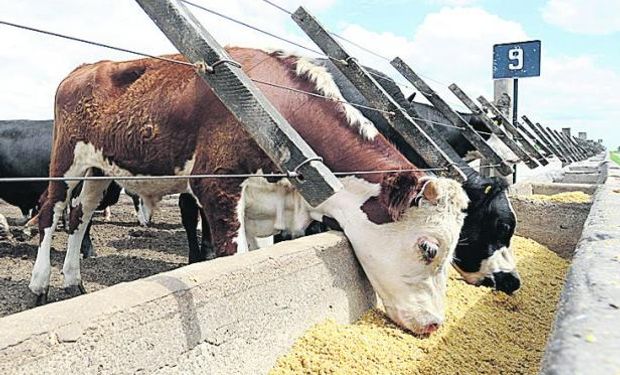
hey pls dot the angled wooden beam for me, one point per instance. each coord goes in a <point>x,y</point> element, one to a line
<point>543,137</point>
<point>511,143</point>
<point>427,126</point>
<point>567,139</point>
<point>554,142</point>
<point>574,146</point>
<point>534,139</point>
<point>567,144</point>
<point>573,141</point>
<point>565,134</point>
<point>512,129</point>
<point>467,130</point>
<point>559,143</point>
<point>400,122</point>
<point>576,142</point>
<point>579,146</point>
<point>285,147</point>
<point>581,142</point>
<point>586,147</point>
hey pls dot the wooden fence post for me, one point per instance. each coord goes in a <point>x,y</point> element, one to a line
<point>243,99</point>
<point>468,132</point>
<point>512,128</point>
<point>399,121</point>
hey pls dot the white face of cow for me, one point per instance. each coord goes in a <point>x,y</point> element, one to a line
<point>406,261</point>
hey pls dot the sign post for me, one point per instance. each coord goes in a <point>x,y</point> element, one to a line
<point>514,61</point>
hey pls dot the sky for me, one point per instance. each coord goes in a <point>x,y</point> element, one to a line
<point>445,41</point>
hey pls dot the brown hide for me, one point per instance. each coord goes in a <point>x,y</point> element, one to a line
<point>150,117</point>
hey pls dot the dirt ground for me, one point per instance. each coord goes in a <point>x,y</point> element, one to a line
<point>125,252</point>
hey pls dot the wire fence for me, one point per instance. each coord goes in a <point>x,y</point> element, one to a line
<point>197,66</point>
<point>289,174</point>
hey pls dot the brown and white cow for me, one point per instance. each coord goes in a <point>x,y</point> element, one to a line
<point>149,117</point>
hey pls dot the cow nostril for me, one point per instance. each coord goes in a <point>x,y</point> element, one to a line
<point>488,282</point>
<point>431,328</point>
<point>506,282</point>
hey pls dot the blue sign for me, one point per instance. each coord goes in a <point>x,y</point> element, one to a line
<point>516,60</point>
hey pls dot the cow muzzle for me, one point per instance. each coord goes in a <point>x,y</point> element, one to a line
<point>423,324</point>
<point>507,282</point>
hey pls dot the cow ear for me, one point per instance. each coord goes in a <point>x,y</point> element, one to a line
<point>430,191</point>
<point>402,190</point>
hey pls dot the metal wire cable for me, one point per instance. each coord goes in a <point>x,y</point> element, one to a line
<point>245,24</point>
<point>320,53</point>
<point>278,7</point>
<point>201,176</point>
<point>98,44</point>
<point>184,63</point>
<point>370,52</point>
<point>322,96</point>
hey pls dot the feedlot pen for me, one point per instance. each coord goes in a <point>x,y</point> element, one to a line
<point>240,314</point>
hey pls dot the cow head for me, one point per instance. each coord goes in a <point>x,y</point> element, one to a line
<point>483,255</point>
<point>406,260</point>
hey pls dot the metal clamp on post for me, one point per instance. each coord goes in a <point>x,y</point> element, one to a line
<point>203,67</point>
<point>295,172</point>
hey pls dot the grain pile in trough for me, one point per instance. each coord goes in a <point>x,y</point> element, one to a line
<point>485,332</point>
<point>567,197</point>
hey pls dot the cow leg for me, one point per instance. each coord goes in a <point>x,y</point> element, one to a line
<point>189,218</point>
<point>145,212</point>
<point>107,214</point>
<point>220,200</point>
<point>4,228</point>
<point>87,249</point>
<point>206,248</point>
<point>49,215</point>
<point>90,197</point>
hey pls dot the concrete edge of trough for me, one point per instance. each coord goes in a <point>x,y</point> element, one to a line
<point>586,334</point>
<point>231,315</point>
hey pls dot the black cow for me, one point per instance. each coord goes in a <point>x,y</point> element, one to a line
<point>483,256</point>
<point>24,152</point>
<point>25,147</point>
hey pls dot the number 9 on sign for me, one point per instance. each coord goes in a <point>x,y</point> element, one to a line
<point>515,55</point>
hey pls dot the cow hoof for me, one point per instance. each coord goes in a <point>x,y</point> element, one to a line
<point>210,255</point>
<point>75,290</point>
<point>41,299</point>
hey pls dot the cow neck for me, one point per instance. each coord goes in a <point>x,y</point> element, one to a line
<point>324,125</point>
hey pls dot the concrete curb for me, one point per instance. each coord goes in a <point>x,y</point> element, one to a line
<point>234,315</point>
<point>586,336</point>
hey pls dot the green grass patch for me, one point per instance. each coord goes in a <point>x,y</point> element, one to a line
<point>615,157</point>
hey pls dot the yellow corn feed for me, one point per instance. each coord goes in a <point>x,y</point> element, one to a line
<point>567,197</point>
<point>485,332</point>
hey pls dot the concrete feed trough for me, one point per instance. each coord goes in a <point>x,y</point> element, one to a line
<point>239,314</point>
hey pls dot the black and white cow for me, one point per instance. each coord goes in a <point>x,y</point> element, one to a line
<point>483,256</point>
